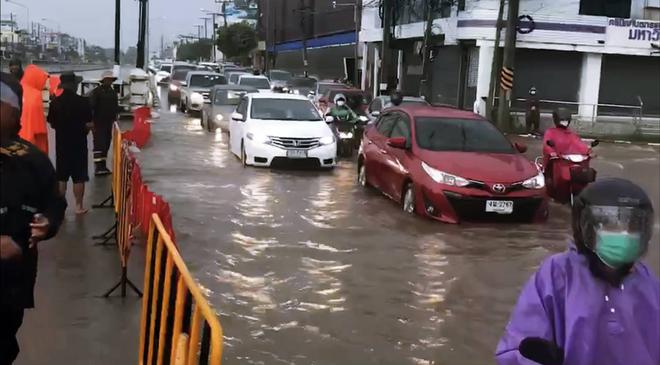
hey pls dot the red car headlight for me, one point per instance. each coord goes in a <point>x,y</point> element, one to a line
<point>442,177</point>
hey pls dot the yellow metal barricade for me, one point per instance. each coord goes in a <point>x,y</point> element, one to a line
<point>116,163</point>
<point>178,325</point>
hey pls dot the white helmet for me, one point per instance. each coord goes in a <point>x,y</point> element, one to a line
<point>338,97</point>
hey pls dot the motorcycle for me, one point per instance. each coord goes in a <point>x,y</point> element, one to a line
<point>348,133</point>
<point>567,173</point>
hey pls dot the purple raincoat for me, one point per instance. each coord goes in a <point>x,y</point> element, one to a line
<point>594,322</point>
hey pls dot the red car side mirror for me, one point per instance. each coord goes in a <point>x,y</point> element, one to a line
<point>398,142</point>
<point>521,147</point>
<point>323,100</point>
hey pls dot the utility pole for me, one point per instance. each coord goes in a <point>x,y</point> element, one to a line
<point>497,56</point>
<point>386,73</point>
<point>142,34</point>
<point>303,27</point>
<point>117,27</point>
<point>425,89</point>
<point>503,114</point>
<point>224,12</point>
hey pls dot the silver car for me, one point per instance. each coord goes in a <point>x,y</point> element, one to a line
<point>383,102</point>
<point>224,99</point>
<point>195,94</point>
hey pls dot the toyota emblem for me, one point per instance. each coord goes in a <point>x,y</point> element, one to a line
<point>499,188</point>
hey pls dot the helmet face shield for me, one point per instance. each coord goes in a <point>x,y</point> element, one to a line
<point>619,235</point>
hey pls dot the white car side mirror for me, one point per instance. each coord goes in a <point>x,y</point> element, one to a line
<point>375,113</point>
<point>238,117</point>
<point>329,119</point>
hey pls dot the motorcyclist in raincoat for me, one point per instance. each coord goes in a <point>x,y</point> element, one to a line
<point>33,119</point>
<point>340,111</point>
<point>565,140</point>
<point>596,303</point>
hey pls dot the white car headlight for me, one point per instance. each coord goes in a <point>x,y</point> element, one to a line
<point>575,158</point>
<point>218,117</point>
<point>443,177</point>
<point>327,140</point>
<point>257,138</point>
<point>174,87</point>
<point>345,135</point>
<point>196,98</point>
<point>536,182</point>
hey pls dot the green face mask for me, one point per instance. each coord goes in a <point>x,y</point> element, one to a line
<point>617,249</point>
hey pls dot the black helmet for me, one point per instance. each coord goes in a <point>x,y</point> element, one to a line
<point>561,117</point>
<point>613,219</point>
<point>396,98</point>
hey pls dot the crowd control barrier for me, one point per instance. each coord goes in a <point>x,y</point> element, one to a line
<point>178,326</point>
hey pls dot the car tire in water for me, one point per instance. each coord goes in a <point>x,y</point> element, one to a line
<point>243,155</point>
<point>362,175</point>
<point>408,203</point>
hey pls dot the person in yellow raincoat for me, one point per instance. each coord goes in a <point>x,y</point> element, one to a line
<point>33,119</point>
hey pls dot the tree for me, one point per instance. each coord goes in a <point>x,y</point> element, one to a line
<point>194,51</point>
<point>237,40</point>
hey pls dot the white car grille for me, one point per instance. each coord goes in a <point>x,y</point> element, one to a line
<point>297,143</point>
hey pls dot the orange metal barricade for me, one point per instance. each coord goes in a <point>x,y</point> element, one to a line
<point>178,325</point>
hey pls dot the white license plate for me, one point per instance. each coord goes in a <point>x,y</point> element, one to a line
<point>499,206</point>
<point>296,153</point>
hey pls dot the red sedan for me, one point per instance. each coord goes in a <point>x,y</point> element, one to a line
<point>450,165</point>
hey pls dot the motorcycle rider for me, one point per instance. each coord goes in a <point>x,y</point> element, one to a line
<point>341,111</point>
<point>533,112</point>
<point>564,139</point>
<point>595,303</point>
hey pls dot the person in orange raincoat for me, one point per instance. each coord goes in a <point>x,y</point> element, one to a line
<point>33,119</point>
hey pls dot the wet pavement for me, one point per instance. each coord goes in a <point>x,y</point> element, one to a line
<point>308,268</point>
<point>71,323</point>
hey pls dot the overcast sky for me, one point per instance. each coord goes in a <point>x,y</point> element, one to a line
<point>94,19</point>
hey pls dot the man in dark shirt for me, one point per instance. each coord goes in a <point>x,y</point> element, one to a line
<point>71,116</point>
<point>533,112</point>
<point>31,210</point>
<point>105,105</point>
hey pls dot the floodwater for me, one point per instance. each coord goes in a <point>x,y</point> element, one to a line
<point>306,267</point>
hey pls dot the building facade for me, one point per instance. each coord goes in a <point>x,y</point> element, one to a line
<point>594,56</point>
<point>326,27</point>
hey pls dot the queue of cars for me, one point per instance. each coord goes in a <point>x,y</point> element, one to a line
<point>436,161</point>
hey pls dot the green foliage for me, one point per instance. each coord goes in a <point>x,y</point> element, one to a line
<point>237,40</point>
<point>199,50</point>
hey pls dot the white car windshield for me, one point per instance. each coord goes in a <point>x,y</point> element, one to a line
<point>284,109</point>
<point>258,82</point>
<point>207,80</point>
<point>166,68</point>
<point>280,75</point>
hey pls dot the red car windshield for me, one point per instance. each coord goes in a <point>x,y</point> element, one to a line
<point>466,135</point>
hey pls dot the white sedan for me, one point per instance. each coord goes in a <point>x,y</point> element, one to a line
<point>269,128</point>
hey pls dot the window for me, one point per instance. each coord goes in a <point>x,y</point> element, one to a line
<point>467,135</point>
<point>206,80</point>
<point>284,109</point>
<point>376,105</point>
<point>258,82</point>
<point>608,8</point>
<point>385,124</point>
<point>303,82</point>
<point>228,97</point>
<point>242,107</point>
<point>166,68</point>
<point>401,127</point>
<point>280,75</point>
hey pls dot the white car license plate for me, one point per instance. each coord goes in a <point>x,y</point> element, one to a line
<point>499,206</point>
<point>296,153</point>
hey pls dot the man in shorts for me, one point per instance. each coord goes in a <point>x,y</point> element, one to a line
<point>71,116</point>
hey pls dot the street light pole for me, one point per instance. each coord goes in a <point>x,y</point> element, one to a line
<point>27,23</point>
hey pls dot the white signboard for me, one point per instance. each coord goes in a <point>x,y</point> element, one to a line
<point>632,33</point>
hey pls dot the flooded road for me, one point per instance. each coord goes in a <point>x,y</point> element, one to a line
<point>306,267</point>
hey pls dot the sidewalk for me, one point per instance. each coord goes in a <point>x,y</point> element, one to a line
<point>71,323</point>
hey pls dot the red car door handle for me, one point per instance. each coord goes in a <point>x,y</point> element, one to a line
<point>384,152</point>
